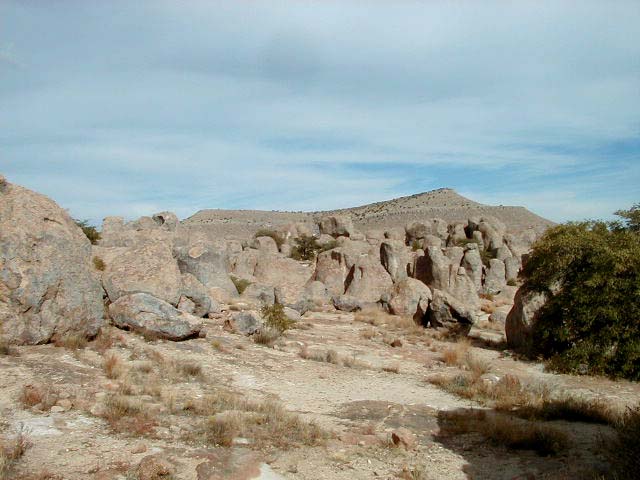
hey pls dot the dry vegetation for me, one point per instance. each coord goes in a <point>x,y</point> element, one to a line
<point>506,430</point>
<point>12,448</point>
<point>380,318</point>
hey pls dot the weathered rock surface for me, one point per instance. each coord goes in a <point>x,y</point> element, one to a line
<point>246,323</point>
<point>208,262</point>
<point>368,280</point>
<point>395,259</point>
<point>522,317</point>
<point>152,316</point>
<point>410,297</point>
<point>336,225</point>
<point>46,286</point>
<point>446,311</point>
<point>148,268</point>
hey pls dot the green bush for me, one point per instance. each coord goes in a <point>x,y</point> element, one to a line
<point>275,318</point>
<point>240,283</point>
<point>591,322</point>
<point>90,231</point>
<point>277,237</point>
<point>306,247</point>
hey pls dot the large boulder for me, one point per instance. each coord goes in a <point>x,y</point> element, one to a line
<point>260,293</point>
<point>333,266</point>
<point>395,258</point>
<point>495,277</point>
<point>285,274</point>
<point>246,323</point>
<point>347,303</point>
<point>198,295</point>
<point>368,280</point>
<point>47,290</point>
<point>265,244</point>
<point>434,268</point>
<point>410,298</point>
<point>336,225</point>
<point>154,317</point>
<point>208,262</point>
<point>445,311</point>
<point>472,263</point>
<point>148,268</point>
<point>522,317</point>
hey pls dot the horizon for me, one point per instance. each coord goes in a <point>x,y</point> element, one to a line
<point>130,109</point>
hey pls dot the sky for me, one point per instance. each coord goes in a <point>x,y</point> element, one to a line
<point>130,108</point>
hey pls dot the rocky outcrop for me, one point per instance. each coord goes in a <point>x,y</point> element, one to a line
<point>47,289</point>
<point>336,225</point>
<point>153,317</point>
<point>395,259</point>
<point>265,244</point>
<point>410,298</point>
<point>198,295</point>
<point>208,262</point>
<point>147,268</point>
<point>448,312</point>
<point>522,317</point>
<point>368,280</point>
<point>246,323</point>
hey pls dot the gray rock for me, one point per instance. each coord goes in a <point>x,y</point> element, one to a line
<point>472,263</point>
<point>522,317</point>
<point>167,220</point>
<point>336,225</point>
<point>152,316</point>
<point>347,303</point>
<point>445,311</point>
<point>264,294</point>
<point>368,280</point>
<point>410,298</point>
<point>198,294</point>
<point>148,268</point>
<point>46,286</point>
<point>395,259</point>
<point>265,244</point>
<point>495,276</point>
<point>208,262</point>
<point>246,323</point>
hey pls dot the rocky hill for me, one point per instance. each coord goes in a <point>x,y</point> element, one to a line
<point>444,203</point>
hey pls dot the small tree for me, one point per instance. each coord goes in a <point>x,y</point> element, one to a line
<point>631,219</point>
<point>89,230</point>
<point>591,274</point>
<point>306,247</point>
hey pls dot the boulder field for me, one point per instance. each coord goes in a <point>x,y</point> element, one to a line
<point>162,278</point>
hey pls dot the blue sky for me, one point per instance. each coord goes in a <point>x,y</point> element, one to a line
<point>128,108</point>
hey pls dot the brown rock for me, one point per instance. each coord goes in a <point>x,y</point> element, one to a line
<point>153,467</point>
<point>402,437</point>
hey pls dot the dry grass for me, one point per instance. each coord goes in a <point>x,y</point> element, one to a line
<point>219,346</point>
<point>413,473</point>
<point>113,366</point>
<point>330,356</point>
<point>368,333</point>
<point>455,354</point>
<point>395,368</point>
<point>500,429</point>
<point>7,349</point>
<point>105,340</point>
<point>266,336</point>
<point>43,396</point>
<point>508,394</point>
<point>128,415</point>
<point>11,450</point>
<point>266,423</point>
<point>380,318</point>
<point>71,341</point>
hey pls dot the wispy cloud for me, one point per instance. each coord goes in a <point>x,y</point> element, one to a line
<point>125,108</point>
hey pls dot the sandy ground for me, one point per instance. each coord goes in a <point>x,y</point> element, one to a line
<point>361,405</point>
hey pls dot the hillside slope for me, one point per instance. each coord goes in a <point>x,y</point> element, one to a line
<point>443,203</point>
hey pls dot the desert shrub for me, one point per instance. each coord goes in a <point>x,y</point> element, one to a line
<point>465,241</point>
<point>512,282</point>
<point>275,318</point>
<point>90,231</point>
<point>241,284</point>
<point>71,341</point>
<point>306,247</point>
<point>416,245</point>
<point>591,321</point>
<point>486,255</point>
<point>277,237</point>
<point>98,263</point>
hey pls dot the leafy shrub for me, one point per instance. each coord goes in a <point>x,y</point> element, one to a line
<point>512,282</point>
<point>416,245</point>
<point>90,231</point>
<point>240,283</point>
<point>277,237</point>
<point>591,322</point>
<point>275,318</point>
<point>306,247</point>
